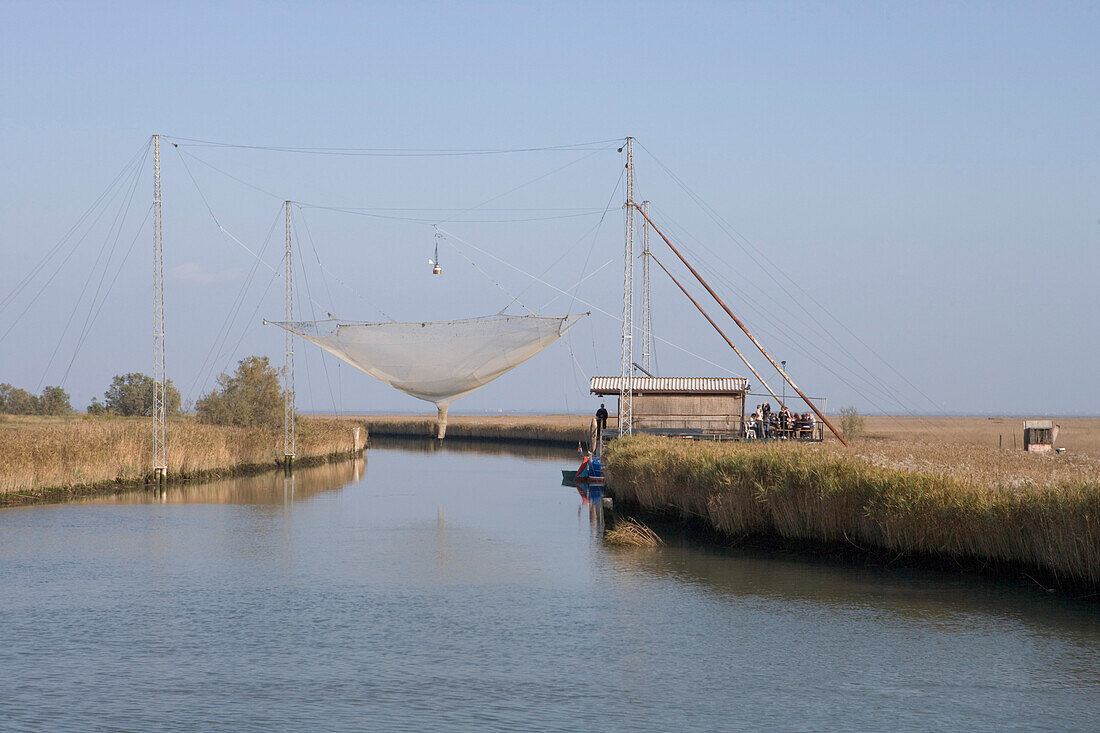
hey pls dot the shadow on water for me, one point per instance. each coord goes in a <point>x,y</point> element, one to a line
<point>482,447</point>
<point>270,487</point>
<point>911,594</point>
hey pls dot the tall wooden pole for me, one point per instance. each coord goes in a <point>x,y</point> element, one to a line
<point>716,328</point>
<point>743,328</point>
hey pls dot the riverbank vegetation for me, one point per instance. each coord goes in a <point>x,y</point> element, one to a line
<point>44,457</point>
<point>1001,510</point>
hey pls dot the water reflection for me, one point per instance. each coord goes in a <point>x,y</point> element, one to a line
<point>270,487</point>
<point>937,598</point>
<point>459,590</point>
<point>592,500</point>
<point>482,447</point>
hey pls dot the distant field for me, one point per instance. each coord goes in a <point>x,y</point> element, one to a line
<point>1079,435</point>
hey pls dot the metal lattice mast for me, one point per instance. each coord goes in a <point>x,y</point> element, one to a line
<point>647,313</point>
<point>160,429</point>
<point>626,385</point>
<point>289,437</point>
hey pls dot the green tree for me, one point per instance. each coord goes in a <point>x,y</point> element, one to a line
<point>250,397</point>
<point>97,407</point>
<point>15,401</point>
<point>851,423</point>
<point>132,394</point>
<point>54,401</point>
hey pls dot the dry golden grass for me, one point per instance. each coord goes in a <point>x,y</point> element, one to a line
<point>1078,435</point>
<point>972,503</point>
<point>631,533</point>
<point>62,453</point>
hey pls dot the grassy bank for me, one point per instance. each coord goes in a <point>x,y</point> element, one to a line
<point>53,458</point>
<point>563,429</point>
<point>1043,521</point>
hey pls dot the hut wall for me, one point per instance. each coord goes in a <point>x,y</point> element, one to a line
<point>709,412</point>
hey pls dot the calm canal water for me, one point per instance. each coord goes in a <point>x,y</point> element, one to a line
<point>465,589</point>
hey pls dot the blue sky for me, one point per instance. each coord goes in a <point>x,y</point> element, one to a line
<point>927,172</point>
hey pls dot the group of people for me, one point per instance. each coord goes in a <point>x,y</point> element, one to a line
<point>764,424</point>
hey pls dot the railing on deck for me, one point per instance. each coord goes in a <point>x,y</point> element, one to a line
<point>714,427</point>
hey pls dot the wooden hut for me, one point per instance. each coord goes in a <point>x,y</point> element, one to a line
<point>696,406</point>
<point>1039,435</point>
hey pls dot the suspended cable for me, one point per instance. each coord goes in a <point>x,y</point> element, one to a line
<point>798,342</point>
<point>213,167</point>
<point>110,287</point>
<point>595,236</point>
<point>61,265</point>
<point>795,341</point>
<point>230,316</point>
<point>122,212</point>
<point>730,232</point>
<point>25,281</point>
<point>332,274</point>
<point>524,185</point>
<point>587,303</point>
<point>324,363</point>
<point>514,299</point>
<point>395,152</point>
<point>741,325</point>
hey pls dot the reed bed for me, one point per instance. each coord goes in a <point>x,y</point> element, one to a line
<point>631,533</point>
<point>40,456</point>
<point>896,502</point>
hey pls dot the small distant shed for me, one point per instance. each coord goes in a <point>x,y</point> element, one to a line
<point>683,405</point>
<point>1039,435</point>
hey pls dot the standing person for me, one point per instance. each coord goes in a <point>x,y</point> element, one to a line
<point>759,415</point>
<point>601,421</point>
<point>767,418</point>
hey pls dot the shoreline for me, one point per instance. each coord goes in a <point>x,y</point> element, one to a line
<point>824,503</point>
<point>58,494</point>
<point>891,500</point>
<point>54,459</point>
<point>551,430</point>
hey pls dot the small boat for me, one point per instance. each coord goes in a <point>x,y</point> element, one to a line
<point>589,472</point>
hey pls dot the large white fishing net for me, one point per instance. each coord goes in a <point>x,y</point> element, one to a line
<point>436,361</point>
